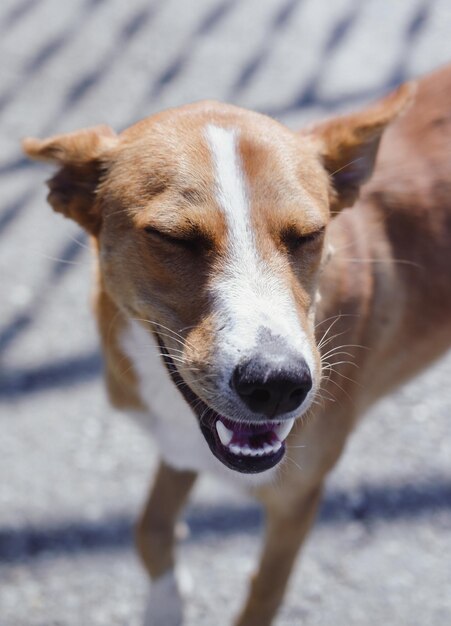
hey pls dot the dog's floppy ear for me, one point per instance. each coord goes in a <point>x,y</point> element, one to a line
<point>82,157</point>
<point>349,144</point>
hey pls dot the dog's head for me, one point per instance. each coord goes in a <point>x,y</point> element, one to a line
<point>211,223</point>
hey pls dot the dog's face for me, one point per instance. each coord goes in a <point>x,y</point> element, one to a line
<point>211,223</point>
<point>213,233</point>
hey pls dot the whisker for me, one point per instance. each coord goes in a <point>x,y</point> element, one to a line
<point>338,315</point>
<point>346,377</point>
<point>327,332</point>
<point>389,260</point>
<point>345,345</point>
<point>288,458</point>
<point>334,382</point>
<point>347,165</point>
<point>173,334</point>
<point>168,336</point>
<point>329,339</point>
<point>54,258</point>
<point>80,243</point>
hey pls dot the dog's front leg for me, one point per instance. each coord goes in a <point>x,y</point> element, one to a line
<point>155,539</point>
<point>285,532</point>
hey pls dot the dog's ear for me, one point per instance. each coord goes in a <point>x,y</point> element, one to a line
<point>82,157</point>
<point>349,144</point>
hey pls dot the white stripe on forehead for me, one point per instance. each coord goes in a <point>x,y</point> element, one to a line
<point>250,294</point>
<point>230,183</point>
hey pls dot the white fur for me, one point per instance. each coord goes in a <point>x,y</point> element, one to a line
<point>169,418</point>
<point>165,604</point>
<point>249,294</point>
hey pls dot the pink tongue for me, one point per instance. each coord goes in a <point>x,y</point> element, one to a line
<point>254,435</point>
<point>254,440</point>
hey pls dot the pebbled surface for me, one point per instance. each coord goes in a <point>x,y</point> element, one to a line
<point>72,471</point>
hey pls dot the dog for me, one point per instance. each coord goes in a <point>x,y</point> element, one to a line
<point>251,275</point>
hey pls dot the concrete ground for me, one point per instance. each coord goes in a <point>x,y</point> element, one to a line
<point>73,472</point>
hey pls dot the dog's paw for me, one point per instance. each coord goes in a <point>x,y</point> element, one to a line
<point>165,604</point>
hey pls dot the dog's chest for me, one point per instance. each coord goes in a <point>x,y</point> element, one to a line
<point>168,418</point>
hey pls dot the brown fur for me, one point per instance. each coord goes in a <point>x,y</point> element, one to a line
<point>384,283</point>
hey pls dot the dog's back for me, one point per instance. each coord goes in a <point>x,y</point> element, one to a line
<point>392,256</point>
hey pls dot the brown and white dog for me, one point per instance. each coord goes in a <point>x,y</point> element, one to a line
<point>237,287</point>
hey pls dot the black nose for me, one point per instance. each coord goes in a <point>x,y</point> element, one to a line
<point>269,389</point>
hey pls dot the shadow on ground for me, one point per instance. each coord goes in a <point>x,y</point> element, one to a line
<point>367,505</point>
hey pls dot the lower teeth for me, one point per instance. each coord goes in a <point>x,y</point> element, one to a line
<point>248,451</point>
<point>226,435</point>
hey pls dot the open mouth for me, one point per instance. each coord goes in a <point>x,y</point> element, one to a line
<point>247,447</point>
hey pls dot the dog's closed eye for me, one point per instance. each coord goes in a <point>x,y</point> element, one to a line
<point>294,240</point>
<point>192,241</point>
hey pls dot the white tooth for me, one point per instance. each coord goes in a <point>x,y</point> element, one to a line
<point>267,448</point>
<point>246,450</point>
<point>276,446</point>
<point>282,430</point>
<point>260,452</point>
<point>253,452</point>
<point>235,449</point>
<point>225,435</point>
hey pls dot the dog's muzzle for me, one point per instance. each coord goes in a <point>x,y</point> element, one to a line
<point>255,445</point>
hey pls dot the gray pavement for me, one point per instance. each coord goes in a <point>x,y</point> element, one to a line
<point>73,472</point>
